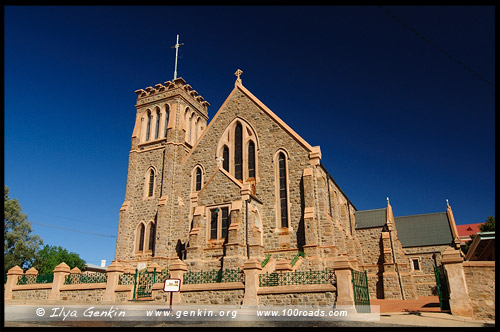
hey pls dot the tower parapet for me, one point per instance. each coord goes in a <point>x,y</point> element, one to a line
<point>169,88</point>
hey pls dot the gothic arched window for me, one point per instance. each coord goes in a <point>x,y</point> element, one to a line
<point>152,234</point>
<point>192,139</point>
<point>167,114</point>
<point>186,124</point>
<point>141,237</point>
<point>151,182</point>
<point>198,179</point>
<point>239,148</point>
<point>282,182</point>
<point>251,159</point>
<point>238,152</point>
<point>157,127</point>
<point>148,125</point>
<point>225,157</point>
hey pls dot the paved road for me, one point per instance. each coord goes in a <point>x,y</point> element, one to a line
<point>235,316</point>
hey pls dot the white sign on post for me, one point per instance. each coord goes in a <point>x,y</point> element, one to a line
<point>172,285</point>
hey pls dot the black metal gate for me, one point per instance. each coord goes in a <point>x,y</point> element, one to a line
<point>361,293</point>
<point>442,288</point>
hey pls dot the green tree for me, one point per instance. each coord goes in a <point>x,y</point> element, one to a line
<point>489,225</point>
<point>49,257</point>
<point>19,246</point>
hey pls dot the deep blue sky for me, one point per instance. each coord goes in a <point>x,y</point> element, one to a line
<point>393,114</point>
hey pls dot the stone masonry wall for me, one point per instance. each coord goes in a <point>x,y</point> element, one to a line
<point>228,297</point>
<point>87,295</point>
<point>480,279</point>
<point>370,238</point>
<point>323,299</point>
<point>31,295</point>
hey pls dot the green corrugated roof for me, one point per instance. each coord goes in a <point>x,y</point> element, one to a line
<point>423,230</point>
<point>370,218</point>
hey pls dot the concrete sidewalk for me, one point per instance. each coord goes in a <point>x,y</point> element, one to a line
<point>434,319</point>
<point>424,311</point>
<point>24,315</point>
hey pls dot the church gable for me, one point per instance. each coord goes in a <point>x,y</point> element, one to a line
<point>243,105</point>
<point>257,149</point>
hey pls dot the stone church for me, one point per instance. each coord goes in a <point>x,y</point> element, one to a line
<point>245,185</point>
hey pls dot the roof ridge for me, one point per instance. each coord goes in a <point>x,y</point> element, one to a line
<point>370,210</point>
<point>422,214</point>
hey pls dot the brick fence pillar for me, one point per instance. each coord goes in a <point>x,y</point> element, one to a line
<point>343,273</point>
<point>176,271</point>
<point>460,303</point>
<point>60,273</point>
<point>251,268</point>
<point>12,276</point>
<point>113,273</point>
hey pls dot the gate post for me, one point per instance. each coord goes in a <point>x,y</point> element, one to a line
<point>177,270</point>
<point>343,272</point>
<point>460,303</point>
<point>113,272</point>
<point>60,273</point>
<point>252,270</point>
<point>12,276</point>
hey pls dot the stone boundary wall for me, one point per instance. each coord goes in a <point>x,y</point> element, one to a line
<point>321,294</point>
<point>480,279</point>
<point>230,293</point>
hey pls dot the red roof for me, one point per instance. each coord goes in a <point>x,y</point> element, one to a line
<point>469,229</point>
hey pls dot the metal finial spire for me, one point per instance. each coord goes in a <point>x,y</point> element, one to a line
<point>176,46</point>
<point>447,204</point>
<point>387,200</point>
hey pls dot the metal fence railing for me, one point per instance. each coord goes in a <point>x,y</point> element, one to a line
<point>214,276</point>
<point>35,279</point>
<point>84,278</point>
<point>310,277</point>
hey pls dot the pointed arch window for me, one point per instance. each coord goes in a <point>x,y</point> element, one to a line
<point>152,235</point>
<point>225,157</point>
<point>151,182</point>
<point>198,179</point>
<point>239,148</point>
<point>251,159</point>
<point>238,152</point>
<point>191,130</point>
<point>283,199</point>
<point>167,114</point>
<point>141,237</point>
<point>186,124</point>
<point>157,126</point>
<point>148,125</point>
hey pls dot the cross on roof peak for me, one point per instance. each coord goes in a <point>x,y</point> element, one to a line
<point>238,74</point>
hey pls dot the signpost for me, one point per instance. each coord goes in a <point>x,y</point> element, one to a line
<point>171,285</point>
